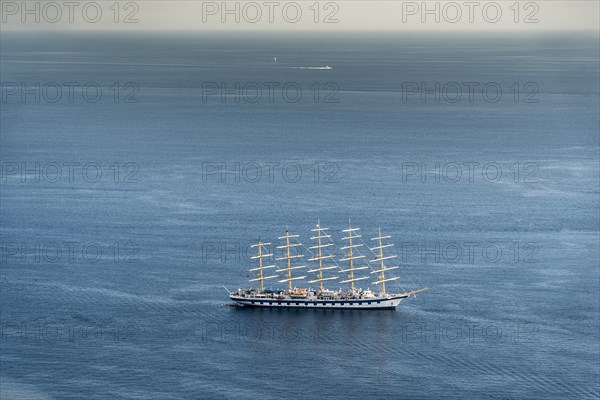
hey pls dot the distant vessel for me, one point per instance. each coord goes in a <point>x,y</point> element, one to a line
<point>325,67</point>
<point>321,297</point>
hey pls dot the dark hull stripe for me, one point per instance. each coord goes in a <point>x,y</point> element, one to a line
<point>321,307</point>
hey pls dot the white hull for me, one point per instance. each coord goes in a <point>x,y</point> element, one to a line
<point>354,304</point>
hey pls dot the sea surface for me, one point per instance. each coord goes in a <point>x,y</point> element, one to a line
<point>130,200</point>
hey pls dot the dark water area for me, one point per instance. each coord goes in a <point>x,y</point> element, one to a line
<point>124,213</point>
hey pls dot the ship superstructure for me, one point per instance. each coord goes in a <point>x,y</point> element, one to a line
<point>325,268</point>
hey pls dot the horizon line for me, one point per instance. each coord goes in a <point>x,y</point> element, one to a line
<point>301,30</point>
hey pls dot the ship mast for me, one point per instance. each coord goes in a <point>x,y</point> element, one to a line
<point>288,256</point>
<point>351,257</point>
<point>261,267</point>
<point>320,256</point>
<point>382,280</point>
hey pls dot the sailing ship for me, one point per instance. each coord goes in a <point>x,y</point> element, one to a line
<point>351,266</point>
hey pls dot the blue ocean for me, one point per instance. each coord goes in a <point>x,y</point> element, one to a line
<point>138,168</point>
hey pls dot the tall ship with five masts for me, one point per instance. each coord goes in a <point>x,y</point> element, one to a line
<point>325,268</point>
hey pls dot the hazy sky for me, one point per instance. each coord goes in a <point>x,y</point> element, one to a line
<point>301,15</point>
